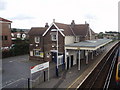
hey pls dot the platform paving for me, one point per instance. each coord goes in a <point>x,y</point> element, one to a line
<point>68,78</point>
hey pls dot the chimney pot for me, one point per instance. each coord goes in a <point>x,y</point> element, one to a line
<point>46,25</point>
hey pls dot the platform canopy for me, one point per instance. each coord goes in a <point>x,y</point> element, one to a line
<point>88,44</point>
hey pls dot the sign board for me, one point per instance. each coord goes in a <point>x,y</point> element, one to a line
<point>39,67</point>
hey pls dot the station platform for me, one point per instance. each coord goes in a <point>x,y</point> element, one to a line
<point>73,77</point>
<point>91,67</point>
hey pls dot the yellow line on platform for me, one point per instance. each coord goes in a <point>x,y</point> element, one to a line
<point>74,82</point>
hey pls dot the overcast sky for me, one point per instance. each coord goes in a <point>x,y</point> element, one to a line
<point>101,14</point>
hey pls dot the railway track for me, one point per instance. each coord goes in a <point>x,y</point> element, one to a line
<point>97,79</point>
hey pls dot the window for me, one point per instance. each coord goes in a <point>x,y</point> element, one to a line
<point>6,37</point>
<point>76,39</point>
<point>60,59</point>
<point>31,53</point>
<point>18,35</point>
<point>54,37</point>
<point>2,38</point>
<point>38,53</point>
<point>48,54</point>
<point>37,39</point>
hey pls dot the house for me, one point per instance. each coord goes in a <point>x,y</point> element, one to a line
<point>111,35</point>
<point>43,40</point>
<point>5,41</point>
<point>20,35</point>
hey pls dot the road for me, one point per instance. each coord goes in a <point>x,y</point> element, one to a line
<point>15,70</point>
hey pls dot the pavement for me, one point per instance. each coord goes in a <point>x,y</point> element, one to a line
<point>68,78</point>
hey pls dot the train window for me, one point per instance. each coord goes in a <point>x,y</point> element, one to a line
<point>119,70</point>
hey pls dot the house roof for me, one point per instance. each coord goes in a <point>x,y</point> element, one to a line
<point>81,29</point>
<point>5,20</point>
<point>68,30</point>
<point>37,30</point>
<point>78,29</point>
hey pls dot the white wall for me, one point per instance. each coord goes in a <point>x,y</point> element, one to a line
<point>69,39</point>
<point>74,56</point>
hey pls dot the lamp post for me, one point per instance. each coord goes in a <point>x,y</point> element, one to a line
<point>57,55</point>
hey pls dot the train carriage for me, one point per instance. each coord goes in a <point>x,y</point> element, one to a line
<point>118,69</point>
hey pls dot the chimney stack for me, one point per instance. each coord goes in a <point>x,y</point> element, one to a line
<point>53,20</point>
<point>46,25</point>
<point>72,23</point>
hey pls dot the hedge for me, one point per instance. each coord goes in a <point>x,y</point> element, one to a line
<point>17,49</point>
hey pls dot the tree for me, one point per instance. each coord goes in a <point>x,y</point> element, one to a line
<point>13,30</point>
<point>101,35</point>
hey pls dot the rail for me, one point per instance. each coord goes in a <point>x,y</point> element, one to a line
<point>94,79</point>
<point>107,81</point>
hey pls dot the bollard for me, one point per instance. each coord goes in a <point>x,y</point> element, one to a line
<point>28,83</point>
<point>57,71</point>
<point>44,76</point>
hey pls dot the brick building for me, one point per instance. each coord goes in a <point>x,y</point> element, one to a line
<point>5,26</point>
<point>43,40</point>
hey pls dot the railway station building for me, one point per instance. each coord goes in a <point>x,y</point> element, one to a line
<point>84,50</point>
<point>76,42</point>
<point>43,40</point>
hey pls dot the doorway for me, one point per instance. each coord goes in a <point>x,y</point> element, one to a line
<point>67,63</point>
<point>71,60</point>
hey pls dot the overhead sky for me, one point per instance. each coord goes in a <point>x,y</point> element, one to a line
<point>102,15</point>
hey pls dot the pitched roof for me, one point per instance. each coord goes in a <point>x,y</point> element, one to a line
<point>81,29</point>
<point>5,20</point>
<point>78,29</point>
<point>37,30</point>
<point>67,30</point>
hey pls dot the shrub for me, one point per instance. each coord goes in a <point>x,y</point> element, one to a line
<point>17,49</point>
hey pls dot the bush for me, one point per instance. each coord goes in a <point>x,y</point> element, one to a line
<point>17,49</point>
<point>6,54</point>
<point>20,49</point>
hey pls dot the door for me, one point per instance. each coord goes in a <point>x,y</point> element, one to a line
<point>67,63</point>
<point>54,57</point>
<point>71,60</point>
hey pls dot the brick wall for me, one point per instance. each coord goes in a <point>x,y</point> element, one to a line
<point>46,45</point>
<point>6,32</point>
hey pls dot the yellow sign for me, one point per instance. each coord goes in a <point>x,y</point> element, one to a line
<point>41,54</point>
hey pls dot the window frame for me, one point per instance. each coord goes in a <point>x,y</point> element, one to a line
<point>77,38</point>
<point>37,39</point>
<point>38,53</point>
<point>54,37</point>
<point>60,59</point>
<point>5,37</point>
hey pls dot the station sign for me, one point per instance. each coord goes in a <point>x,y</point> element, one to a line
<point>39,67</point>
